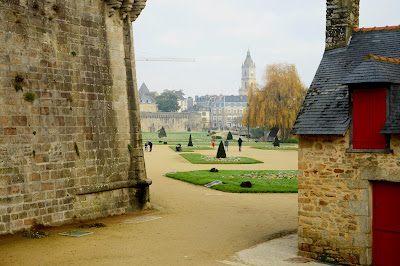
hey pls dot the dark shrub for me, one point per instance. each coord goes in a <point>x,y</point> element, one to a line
<point>221,151</point>
<point>229,137</point>
<point>276,142</point>
<point>214,170</point>
<point>246,184</point>
<point>162,133</point>
<point>190,144</point>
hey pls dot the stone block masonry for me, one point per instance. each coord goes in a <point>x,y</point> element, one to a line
<point>335,197</point>
<point>68,110</point>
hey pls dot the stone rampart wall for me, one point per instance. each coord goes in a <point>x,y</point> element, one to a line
<point>335,197</point>
<point>172,122</point>
<point>68,110</point>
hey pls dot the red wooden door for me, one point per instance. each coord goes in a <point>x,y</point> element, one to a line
<point>369,117</point>
<point>386,224</point>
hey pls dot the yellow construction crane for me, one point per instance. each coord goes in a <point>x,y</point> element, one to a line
<point>166,59</point>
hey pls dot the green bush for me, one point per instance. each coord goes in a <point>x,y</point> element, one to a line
<point>290,140</point>
<point>229,137</point>
<point>257,132</point>
<point>218,137</point>
<point>221,151</point>
<point>276,142</point>
<point>190,144</point>
<point>162,133</point>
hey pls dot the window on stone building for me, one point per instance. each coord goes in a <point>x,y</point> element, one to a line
<point>151,110</point>
<point>369,117</point>
<point>203,113</point>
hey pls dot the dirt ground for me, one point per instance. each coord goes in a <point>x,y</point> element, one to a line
<point>198,225</point>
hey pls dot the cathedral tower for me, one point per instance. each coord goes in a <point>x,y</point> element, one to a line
<point>248,74</point>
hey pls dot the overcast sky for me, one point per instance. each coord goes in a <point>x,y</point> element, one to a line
<point>218,33</point>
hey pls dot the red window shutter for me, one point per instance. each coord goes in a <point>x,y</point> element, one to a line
<point>369,117</point>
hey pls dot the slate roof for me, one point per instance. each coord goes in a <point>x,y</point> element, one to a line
<point>143,89</point>
<point>236,99</point>
<point>392,124</point>
<point>325,109</point>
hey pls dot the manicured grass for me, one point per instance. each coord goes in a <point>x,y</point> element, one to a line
<point>202,159</point>
<point>177,137</point>
<point>191,149</point>
<point>271,147</point>
<point>262,181</point>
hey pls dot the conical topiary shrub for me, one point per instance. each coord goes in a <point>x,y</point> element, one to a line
<point>162,133</point>
<point>221,151</point>
<point>276,142</point>
<point>229,137</point>
<point>190,144</point>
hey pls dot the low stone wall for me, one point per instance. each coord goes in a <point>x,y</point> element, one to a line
<point>172,122</point>
<point>335,197</point>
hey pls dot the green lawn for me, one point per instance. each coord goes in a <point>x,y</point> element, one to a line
<point>191,149</point>
<point>177,137</point>
<point>262,181</point>
<point>202,159</point>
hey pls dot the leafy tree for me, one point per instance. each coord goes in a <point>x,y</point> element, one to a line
<point>229,137</point>
<point>190,144</point>
<point>167,102</point>
<point>257,132</point>
<point>221,151</point>
<point>278,102</point>
<point>162,133</point>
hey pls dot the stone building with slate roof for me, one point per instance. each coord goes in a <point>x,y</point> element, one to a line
<point>349,145</point>
<point>147,99</point>
<point>227,111</point>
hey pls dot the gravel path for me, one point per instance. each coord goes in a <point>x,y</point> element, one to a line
<point>198,226</point>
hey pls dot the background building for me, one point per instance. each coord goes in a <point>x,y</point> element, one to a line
<point>147,99</point>
<point>248,74</point>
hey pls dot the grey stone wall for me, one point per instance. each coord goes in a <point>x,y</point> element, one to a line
<point>68,111</point>
<point>172,122</point>
<point>341,17</point>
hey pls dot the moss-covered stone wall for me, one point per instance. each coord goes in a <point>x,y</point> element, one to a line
<point>68,110</point>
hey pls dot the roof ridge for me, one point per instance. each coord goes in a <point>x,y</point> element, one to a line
<point>387,28</point>
<point>382,59</point>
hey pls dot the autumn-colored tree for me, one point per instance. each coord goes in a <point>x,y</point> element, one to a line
<point>278,102</point>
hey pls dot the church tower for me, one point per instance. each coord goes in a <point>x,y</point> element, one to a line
<point>248,74</point>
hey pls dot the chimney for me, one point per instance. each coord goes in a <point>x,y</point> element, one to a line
<point>341,19</point>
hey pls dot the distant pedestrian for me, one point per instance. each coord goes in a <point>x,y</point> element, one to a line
<point>240,144</point>
<point>178,147</point>
<point>150,146</point>
<point>226,143</point>
<point>145,146</point>
<point>213,144</point>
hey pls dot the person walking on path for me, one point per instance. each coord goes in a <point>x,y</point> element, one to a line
<point>145,146</point>
<point>240,144</point>
<point>213,144</point>
<point>226,143</point>
<point>150,146</point>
